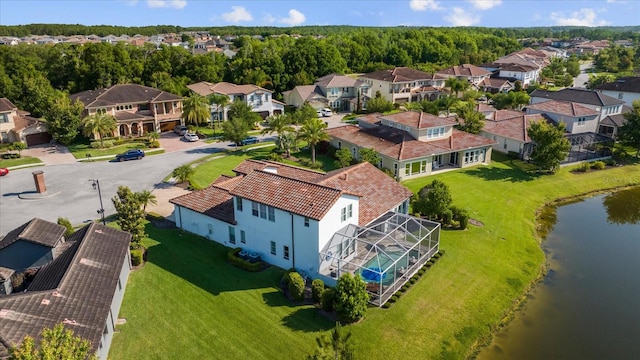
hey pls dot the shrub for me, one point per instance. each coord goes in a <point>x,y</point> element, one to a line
<point>296,286</point>
<point>393,298</point>
<point>273,156</point>
<point>351,298</point>
<point>429,263</point>
<point>67,225</point>
<point>513,154</point>
<point>421,271</point>
<point>108,144</point>
<point>317,287</point>
<point>584,167</point>
<point>436,256</point>
<point>447,216</point>
<point>136,257</point>
<point>386,305</point>
<point>118,142</point>
<point>284,280</point>
<point>237,261</point>
<point>95,145</point>
<point>611,162</point>
<point>153,144</point>
<point>598,165</point>
<point>441,252</point>
<point>412,281</point>
<point>328,299</point>
<point>464,220</point>
<point>404,288</point>
<point>415,277</point>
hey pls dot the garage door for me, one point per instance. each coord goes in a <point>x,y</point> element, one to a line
<point>168,125</point>
<point>39,138</point>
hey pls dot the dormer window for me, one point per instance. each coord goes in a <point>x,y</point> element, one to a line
<point>436,132</point>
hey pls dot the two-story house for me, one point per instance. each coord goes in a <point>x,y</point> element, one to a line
<point>335,91</point>
<point>137,109</point>
<point>525,73</point>
<point>17,126</point>
<point>82,287</point>
<point>403,84</point>
<point>259,99</point>
<point>510,131</point>
<point>577,118</point>
<point>469,72</point>
<point>626,89</point>
<point>322,224</point>
<point>413,144</point>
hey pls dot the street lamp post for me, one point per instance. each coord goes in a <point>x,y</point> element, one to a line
<point>96,185</point>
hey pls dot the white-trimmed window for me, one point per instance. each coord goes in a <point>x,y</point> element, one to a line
<point>471,156</point>
<point>254,208</point>
<point>238,203</point>
<point>243,238</point>
<point>416,167</point>
<point>285,252</point>
<point>4,118</point>
<point>437,132</point>
<point>306,221</point>
<point>273,248</point>
<point>263,211</point>
<point>232,235</point>
<point>581,121</point>
<point>346,212</point>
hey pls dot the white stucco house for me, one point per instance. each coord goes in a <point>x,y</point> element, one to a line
<point>323,224</point>
<point>626,89</point>
<point>402,84</point>
<point>259,99</point>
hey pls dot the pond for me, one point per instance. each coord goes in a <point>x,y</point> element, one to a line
<point>588,305</point>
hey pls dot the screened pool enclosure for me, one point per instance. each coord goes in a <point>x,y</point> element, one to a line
<point>385,253</point>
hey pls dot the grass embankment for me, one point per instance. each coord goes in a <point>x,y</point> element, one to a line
<point>23,160</point>
<point>188,303</point>
<point>80,151</point>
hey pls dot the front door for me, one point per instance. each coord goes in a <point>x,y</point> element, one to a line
<point>453,159</point>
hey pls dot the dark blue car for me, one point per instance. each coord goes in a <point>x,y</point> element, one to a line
<point>136,154</point>
<point>249,140</point>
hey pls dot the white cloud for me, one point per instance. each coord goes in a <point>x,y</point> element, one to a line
<point>582,17</point>
<point>459,17</point>
<point>295,18</point>
<point>422,5</point>
<point>485,4</point>
<point>269,19</point>
<point>237,14</point>
<point>175,4</point>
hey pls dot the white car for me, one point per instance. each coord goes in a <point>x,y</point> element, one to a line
<point>319,112</point>
<point>326,112</point>
<point>191,137</point>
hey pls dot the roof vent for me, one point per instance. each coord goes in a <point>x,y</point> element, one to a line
<point>98,231</point>
<point>271,169</point>
<point>45,302</point>
<point>69,322</point>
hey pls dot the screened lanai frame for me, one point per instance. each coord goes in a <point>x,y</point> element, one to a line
<point>385,253</point>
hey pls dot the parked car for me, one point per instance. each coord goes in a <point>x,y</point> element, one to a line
<point>180,130</point>
<point>4,171</point>
<point>319,112</point>
<point>249,140</point>
<point>191,137</point>
<point>326,112</point>
<point>135,154</point>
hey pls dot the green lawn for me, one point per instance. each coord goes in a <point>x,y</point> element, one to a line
<point>187,303</point>
<point>23,160</point>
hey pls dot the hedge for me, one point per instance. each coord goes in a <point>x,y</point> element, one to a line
<point>235,260</point>
<point>136,257</point>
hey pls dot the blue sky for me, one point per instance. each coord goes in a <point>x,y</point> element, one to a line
<point>488,13</point>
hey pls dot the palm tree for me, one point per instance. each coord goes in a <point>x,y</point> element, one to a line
<point>456,85</point>
<point>446,103</point>
<point>278,123</point>
<point>101,124</point>
<point>220,101</point>
<point>183,173</point>
<point>312,131</point>
<point>146,197</point>
<point>196,109</point>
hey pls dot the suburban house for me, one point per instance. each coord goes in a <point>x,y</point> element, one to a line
<point>17,126</point>
<point>510,131</point>
<point>577,118</point>
<point>626,89</point>
<point>609,110</point>
<point>471,73</point>
<point>81,287</point>
<point>404,84</point>
<point>338,92</point>
<point>525,73</point>
<point>495,85</point>
<point>259,99</point>
<point>413,144</point>
<point>137,109</point>
<point>323,224</point>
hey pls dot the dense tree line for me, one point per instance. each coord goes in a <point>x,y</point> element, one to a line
<point>617,59</point>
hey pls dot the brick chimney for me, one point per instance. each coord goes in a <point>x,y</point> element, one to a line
<point>38,178</point>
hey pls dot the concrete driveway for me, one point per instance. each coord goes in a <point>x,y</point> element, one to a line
<point>51,154</point>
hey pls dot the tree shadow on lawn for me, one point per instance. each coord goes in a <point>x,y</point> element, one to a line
<point>307,318</point>
<point>508,174</point>
<point>203,263</point>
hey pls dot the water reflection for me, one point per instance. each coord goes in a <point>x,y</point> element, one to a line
<point>623,207</point>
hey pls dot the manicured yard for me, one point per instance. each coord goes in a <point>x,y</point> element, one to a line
<point>187,303</point>
<point>80,150</point>
<point>23,160</point>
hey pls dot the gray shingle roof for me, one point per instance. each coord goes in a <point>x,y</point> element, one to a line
<point>37,231</point>
<point>581,96</point>
<point>76,288</point>
<point>625,84</point>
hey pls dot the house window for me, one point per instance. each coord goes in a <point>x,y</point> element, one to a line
<point>620,96</point>
<point>437,132</point>
<point>339,144</point>
<point>306,221</point>
<point>285,250</point>
<point>232,235</point>
<point>4,118</point>
<point>417,167</point>
<point>254,208</point>
<point>471,156</point>
<point>263,211</point>
<point>273,248</point>
<point>238,203</point>
<point>505,143</point>
<point>272,213</point>
<point>581,121</point>
<point>243,238</point>
<point>395,169</point>
<point>346,212</point>
<point>4,137</point>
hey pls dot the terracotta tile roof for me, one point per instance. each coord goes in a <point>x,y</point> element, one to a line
<point>464,70</point>
<point>125,115</point>
<point>517,67</point>
<point>482,107</point>
<point>419,119</point>
<point>205,88</point>
<point>370,118</point>
<point>286,170</point>
<point>581,96</point>
<point>379,192</point>
<point>563,108</point>
<point>400,145</point>
<point>214,201</point>
<point>505,114</point>
<point>515,127</point>
<point>297,196</point>
<point>6,105</point>
<point>37,231</point>
<point>122,94</point>
<point>400,74</point>
<point>338,80</point>
<point>495,83</point>
<point>78,286</point>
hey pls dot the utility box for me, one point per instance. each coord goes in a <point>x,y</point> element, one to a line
<point>38,178</point>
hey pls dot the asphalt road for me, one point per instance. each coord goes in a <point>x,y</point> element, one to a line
<point>580,80</point>
<point>69,190</point>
